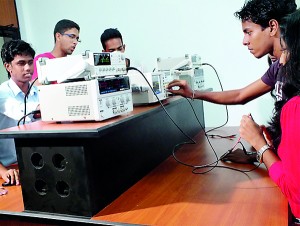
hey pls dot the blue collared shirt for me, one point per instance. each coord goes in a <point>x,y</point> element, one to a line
<point>11,110</point>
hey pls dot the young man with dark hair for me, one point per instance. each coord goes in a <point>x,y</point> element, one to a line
<point>17,57</point>
<point>111,40</point>
<point>282,159</point>
<point>66,38</point>
<point>260,23</point>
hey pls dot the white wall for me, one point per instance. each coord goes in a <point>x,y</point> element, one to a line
<point>157,28</point>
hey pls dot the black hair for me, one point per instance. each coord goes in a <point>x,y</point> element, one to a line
<point>64,25</point>
<point>290,35</point>
<point>262,11</point>
<point>108,34</point>
<point>269,61</point>
<point>15,47</point>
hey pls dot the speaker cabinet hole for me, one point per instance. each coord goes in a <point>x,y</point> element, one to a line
<point>37,160</point>
<point>59,161</point>
<point>62,188</point>
<point>41,187</point>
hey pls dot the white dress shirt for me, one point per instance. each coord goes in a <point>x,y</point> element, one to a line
<point>12,108</point>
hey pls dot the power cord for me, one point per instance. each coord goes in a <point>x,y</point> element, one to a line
<point>229,137</point>
<point>192,141</point>
<point>161,104</point>
<point>25,102</point>
<point>218,77</point>
<point>215,163</point>
<point>30,113</point>
<point>211,165</point>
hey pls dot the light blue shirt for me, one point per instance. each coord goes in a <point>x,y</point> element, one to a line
<point>11,111</point>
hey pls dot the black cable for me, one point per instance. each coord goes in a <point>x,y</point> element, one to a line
<point>191,139</point>
<point>227,116</point>
<point>25,98</point>
<point>211,165</point>
<point>30,113</point>
<point>219,159</point>
<point>215,163</point>
<point>230,168</point>
<point>229,137</point>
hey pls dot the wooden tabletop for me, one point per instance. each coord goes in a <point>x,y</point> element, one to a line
<point>84,128</point>
<point>172,195</point>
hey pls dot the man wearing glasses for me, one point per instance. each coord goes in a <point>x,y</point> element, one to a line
<point>66,37</point>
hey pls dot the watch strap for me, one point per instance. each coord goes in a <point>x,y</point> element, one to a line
<point>261,152</point>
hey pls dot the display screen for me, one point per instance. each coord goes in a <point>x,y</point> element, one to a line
<point>110,85</point>
<point>155,83</point>
<point>102,59</point>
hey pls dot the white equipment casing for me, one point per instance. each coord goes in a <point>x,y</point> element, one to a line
<point>174,63</point>
<point>84,101</point>
<point>184,68</point>
<point>194,77</point>
<point>60,69</point>
<point>84,66</point>
<point>141,92</point>
<point>106,64</point>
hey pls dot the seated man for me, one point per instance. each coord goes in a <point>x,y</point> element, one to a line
<point>17,57</point>
<point>111,40</point>
<point>66,38</point>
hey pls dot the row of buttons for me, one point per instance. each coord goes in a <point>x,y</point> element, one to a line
<point>111,69</point>
<point>121,110</point>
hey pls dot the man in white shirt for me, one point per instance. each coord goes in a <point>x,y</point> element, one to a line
<point>17,57</point>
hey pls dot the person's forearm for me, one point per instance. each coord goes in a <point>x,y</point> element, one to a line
<point>236,96</point>
<point>269,157</point>
<point>230,97</point>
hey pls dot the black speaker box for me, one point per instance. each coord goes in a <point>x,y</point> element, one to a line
<point>54,180</point>
<point>79,172</point>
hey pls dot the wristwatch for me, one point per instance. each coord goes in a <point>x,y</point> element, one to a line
<point>260,152</point>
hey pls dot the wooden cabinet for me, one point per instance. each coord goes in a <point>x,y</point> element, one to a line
<point>8,13</point>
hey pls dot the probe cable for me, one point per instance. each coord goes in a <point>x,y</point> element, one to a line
<point>215,163</point>
<point>217,159</point>
<point>227,116</point>
<point>165,110</point>
<point>211,165</point>
<point>192,141</point>
<point>25,102</point>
